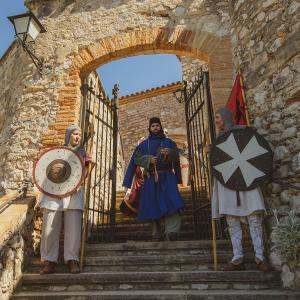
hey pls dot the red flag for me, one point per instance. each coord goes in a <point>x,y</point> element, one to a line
<point>236,102</point>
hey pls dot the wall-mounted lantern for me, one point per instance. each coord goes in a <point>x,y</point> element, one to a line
<point>178,94</point>
<point>27,28</point>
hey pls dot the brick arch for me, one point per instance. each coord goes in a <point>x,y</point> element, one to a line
<point>198,44</point>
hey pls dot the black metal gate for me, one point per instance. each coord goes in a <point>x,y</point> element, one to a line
<point>200,131</point>
<point>99,123</point>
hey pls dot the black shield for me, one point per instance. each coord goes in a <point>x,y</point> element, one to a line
<point>241,159</point>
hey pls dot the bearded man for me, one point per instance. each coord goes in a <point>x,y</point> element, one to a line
<point>159,198</point>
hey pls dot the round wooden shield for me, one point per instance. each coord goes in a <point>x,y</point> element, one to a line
<point>58,172</point>
<point>241,159</point>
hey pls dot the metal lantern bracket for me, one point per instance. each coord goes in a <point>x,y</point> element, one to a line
<point>27,28</point>
<point>180,98</point>
<point>37,62</point>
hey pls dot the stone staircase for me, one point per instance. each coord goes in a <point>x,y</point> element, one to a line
<point>136,268</point>
<point>129,228</point>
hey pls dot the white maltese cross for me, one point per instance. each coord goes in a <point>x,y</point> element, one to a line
<point>240,159</point>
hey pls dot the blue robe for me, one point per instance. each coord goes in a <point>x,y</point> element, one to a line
<point>162,198</point>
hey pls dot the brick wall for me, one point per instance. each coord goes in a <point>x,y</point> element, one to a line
<point>191,67</point>
<point>136,110</point>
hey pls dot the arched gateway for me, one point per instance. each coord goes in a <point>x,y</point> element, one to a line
<point>83,35</point>
<point>198,44</point>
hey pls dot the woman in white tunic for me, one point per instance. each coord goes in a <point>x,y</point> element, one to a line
<point>70,208</point>
<point>249,210</point>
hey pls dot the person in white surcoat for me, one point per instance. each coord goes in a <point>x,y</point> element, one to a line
<point>250,209</point>
<point>70,208</point>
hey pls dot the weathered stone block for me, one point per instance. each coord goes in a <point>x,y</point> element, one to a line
<point>280,152</point>
<point>287,276</point>
<point>282,79</point>
<point>293,7</point>
<point>275,260</point>
<point>285,197</point>
<point>289,133</point>
<point>295,163</point>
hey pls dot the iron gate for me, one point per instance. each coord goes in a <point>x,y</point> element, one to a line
<point>99,123</point>
<point>200,131</point>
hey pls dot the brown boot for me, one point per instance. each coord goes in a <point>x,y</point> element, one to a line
<point>49,268</point>
<point>73,266</point>
<point>262,265</point>
<point>231,266</point>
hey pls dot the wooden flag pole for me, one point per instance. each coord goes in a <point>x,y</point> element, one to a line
<point>213,224</point>
<point>213,221</point>
<point>211,138</point>
<point>244,96</point>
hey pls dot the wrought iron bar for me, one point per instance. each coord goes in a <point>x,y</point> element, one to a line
<point>99,210</point>
<point>197,105</point>
<point>115,157</point>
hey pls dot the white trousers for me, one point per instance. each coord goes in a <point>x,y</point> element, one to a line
<point>172,225</point>
<point>256,232</point>
<point>52,221</point>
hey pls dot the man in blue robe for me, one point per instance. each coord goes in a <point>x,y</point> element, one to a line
<point>159,198</point>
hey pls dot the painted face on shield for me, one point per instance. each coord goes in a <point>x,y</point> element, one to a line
<point>155,128</point>
<point>75,138</point>
<point>219,122</point>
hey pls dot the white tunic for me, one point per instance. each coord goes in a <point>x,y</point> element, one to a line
<point>224,201</point>
<point>75,201</point>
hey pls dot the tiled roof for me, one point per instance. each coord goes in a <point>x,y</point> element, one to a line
<point>171,87</point>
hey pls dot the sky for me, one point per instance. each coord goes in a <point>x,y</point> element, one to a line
<point>133,74</point>
<point>138,73</point>
<point>8,8</point>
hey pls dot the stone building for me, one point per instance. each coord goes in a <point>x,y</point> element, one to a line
<point>137,109</point>
<point>260,37</point>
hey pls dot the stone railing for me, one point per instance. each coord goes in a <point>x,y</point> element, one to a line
<point>16,242</point>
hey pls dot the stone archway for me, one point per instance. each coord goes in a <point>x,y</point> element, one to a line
<point>202,45</point>
<point>82,35</point>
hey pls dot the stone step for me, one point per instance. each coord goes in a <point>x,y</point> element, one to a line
<point>194,247</point>
<point>188,211</point>
<point>193,280</point>
<point>133,220</point>
<point>186,226</point>
<point>162,295</point>
<point>137,248</point>
<point>120,217</point>
<point>141,235</point>
<point>148,263</point>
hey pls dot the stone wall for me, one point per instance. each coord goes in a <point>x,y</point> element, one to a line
<point>263,37</point>
<point>136,110</point>
<point>40,108</point>
<point>16,243</point>
<point>266,41</point>
<point>191,67</point>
